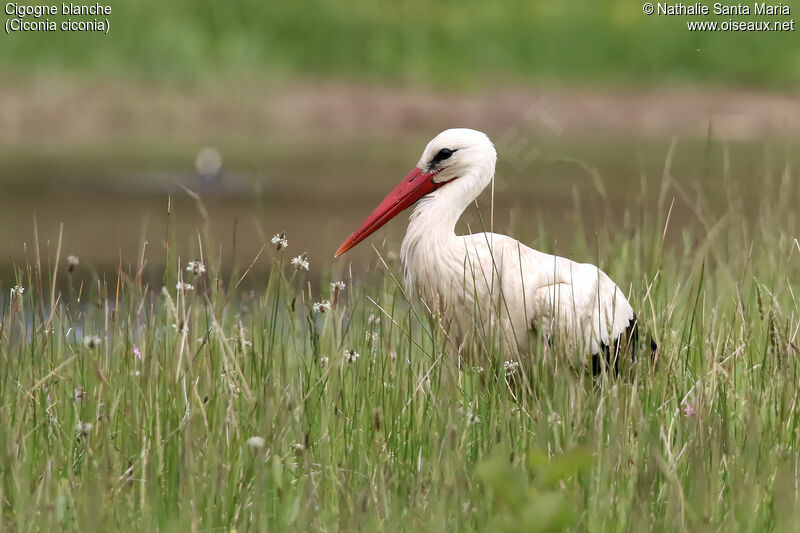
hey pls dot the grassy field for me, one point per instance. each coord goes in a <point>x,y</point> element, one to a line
<point>218,409</point>
<point>418,42</point>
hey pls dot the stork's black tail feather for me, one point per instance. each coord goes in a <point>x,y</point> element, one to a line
<point>626,341</point>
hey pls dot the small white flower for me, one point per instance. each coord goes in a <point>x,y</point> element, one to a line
<point>280,241</point>
<point>79,393</point>
<point>322,307</point>
<point>256,443</point>
<point>478,369</point>
<point>511,367</point>
<point>181,286</point>
<point>72,262</point>
<point>196,267</point>
<point>17,291</point>
<point>373,320</point>
<point>84,428</point>
<point>351,355</point>
<point>323,362</point>
<point>92,341</point>
<point>472,418</point>
<point>336,288</point>
<point>301,261</point>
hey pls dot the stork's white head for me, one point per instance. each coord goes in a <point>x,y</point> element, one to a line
<point>456,166</point>
<point>457,153</point>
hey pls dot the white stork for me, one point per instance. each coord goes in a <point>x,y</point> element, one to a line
<point>491,279</point>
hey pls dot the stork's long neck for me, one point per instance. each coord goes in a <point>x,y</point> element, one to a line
<point>431,252</point>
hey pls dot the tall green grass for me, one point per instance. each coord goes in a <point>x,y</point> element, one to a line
<point>96,438</point>
<point>411,41</point>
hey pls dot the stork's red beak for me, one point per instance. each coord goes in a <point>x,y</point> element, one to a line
<point>416,185</point>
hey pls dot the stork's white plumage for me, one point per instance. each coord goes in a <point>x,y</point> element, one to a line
<point>488,279</point>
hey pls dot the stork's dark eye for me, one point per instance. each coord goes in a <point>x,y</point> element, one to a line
<point>443,154</point>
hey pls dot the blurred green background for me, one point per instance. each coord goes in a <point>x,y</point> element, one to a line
<point>317,107</point>
<point>431,42</point>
